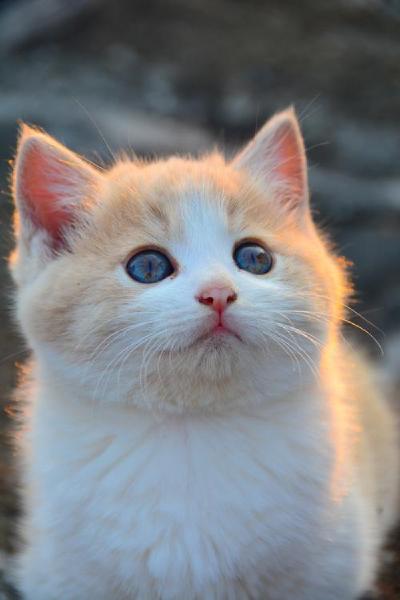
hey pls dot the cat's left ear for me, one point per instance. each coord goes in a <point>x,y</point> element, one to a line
<point>276,159</point>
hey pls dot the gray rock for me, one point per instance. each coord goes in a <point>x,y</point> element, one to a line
<point>28,21</point>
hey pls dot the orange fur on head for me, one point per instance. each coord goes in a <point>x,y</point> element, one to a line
<point>79,226</point>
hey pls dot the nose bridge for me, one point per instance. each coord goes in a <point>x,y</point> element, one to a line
<point>216,278</point>
<point>215,274</point>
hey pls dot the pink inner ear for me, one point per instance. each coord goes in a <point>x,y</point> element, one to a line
<point>40,177</point>
<point>289,158</point>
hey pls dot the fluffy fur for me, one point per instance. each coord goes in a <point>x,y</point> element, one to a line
<point>165,462</point>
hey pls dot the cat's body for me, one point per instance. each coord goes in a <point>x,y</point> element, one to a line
<point>205,507</point>
<point>167,460</point>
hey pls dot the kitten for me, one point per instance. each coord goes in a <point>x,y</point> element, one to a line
<point>197,429</point>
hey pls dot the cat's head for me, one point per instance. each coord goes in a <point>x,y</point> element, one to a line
<point>157,282</point>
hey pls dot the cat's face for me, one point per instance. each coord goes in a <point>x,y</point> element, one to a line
<point>164,279</point>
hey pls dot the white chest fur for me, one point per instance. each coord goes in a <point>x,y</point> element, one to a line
<point>144,506</point>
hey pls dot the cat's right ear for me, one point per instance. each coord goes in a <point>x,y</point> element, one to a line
<point>52,189</point>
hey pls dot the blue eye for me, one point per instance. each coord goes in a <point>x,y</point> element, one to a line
<point>149,266</point>
<point>253,258</point>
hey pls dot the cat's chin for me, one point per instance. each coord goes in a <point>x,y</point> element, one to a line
<point>211,356</point>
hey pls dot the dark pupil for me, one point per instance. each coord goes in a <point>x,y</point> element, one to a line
<point>149,268</point>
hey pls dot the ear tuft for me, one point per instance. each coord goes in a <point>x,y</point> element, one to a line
<point>276,159</point>
<point>51,185</point>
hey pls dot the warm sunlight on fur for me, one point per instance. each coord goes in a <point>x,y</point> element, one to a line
<point>206,434</point>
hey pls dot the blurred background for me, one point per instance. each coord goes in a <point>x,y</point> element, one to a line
<point>162,76</point>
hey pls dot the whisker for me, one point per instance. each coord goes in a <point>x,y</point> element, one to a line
<point>95,125</point>
<point>301,351</point>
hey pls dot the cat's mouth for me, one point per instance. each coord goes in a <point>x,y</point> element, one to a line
<point>219,332</point>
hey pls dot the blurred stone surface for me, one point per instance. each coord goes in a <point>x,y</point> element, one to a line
<point>31,21</point>
<point>157,77</point>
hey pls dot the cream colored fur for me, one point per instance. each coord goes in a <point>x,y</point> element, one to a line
<point>160,463</point>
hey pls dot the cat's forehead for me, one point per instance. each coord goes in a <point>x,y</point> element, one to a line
<point>179,198</point>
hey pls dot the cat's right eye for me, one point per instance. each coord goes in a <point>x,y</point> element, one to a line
<point>149,266</point>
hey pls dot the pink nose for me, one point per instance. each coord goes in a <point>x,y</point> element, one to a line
<point>216,297</point>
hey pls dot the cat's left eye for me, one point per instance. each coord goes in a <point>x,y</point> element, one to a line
<point>251,257</point>
<point>149,266</point>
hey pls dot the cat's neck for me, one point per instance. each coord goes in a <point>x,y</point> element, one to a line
<point>183,398</point>
<point>306,405</point>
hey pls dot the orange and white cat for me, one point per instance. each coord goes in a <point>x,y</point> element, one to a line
<point>196,427</point>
